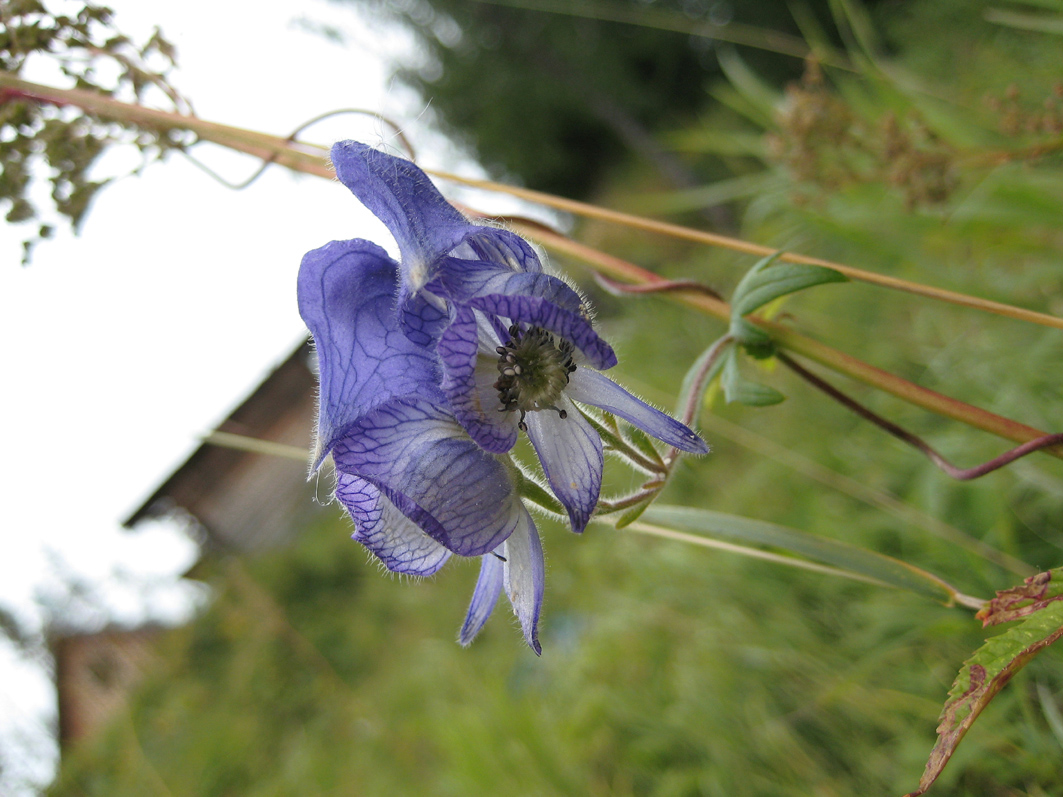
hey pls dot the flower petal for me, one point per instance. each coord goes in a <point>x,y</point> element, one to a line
<point>571,452</point>
<point>484,597</point>
<point>537,311</point>
<point>525,577</point>
<point>505,248</point>
<point>423,316</point>
<point>422,460</point>
<point>467,385</point>
<point>466,279</point>
<point>346,298</point>
<point>425,226</point>
<point>591,387</point>
<point>386,532</point>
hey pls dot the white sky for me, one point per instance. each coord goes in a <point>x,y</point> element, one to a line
<point>125,344</point>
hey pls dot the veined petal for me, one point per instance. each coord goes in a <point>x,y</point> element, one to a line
<point>422,460</point>
<point>484,597</point>
<point>423,316</point>
<point>390,535</point>
<point>591,387</point>
<point>346,297</point>
<point>536,311</point>
<point>525,576</point>
<point>571,453</point>
<point>467,386</point>
<point>466,279</point>
<point>425,226</point>
<point>505,248</point>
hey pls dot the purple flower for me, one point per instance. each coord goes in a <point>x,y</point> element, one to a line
<point>433,238</point>
<point>516,346</point>
<point>513,363</point>
<point>417,486</point>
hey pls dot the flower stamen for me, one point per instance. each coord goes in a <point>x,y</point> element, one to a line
<point>533,369</point>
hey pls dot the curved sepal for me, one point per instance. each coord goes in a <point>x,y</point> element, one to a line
<point>536,311</point>
<point>600,391</point>
<point>467,384</point>
<point>392,537</point>
<point>524,576</point>
<point>346,295</point>
<point>571,453</point>
<point>484,597</point>
<point>423,462</point>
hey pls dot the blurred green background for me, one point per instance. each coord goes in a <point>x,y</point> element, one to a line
<point>929,151</point>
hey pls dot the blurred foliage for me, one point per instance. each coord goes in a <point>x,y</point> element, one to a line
<point>86,48</point>
<point>669,670</point>
<point>557,93</point>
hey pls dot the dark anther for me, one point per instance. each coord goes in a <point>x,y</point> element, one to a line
<point>497,556</point>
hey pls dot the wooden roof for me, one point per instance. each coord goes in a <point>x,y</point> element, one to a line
<point>244,500</point>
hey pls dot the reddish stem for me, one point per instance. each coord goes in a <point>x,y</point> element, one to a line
<point>960,474</point>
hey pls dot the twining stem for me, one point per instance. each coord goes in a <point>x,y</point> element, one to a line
<point>292,155</point>
<point>667,286</point>
<point>311,159</point>
<point>960,474</point>
<point>738,245</point>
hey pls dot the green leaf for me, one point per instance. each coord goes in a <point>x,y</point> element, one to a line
<point>1035,594</point>
<point>536,493</point>
<point>736,388</point>
<point>850,558</point>
<point>768,280</point>
<point>720,192</point>
<point>610,436</point>
<point>983,676</point>
<point>641,442</point>
<point>757,92</point>
<point>754,340</point>
<point>634,513</point>
<point>1040,23</point>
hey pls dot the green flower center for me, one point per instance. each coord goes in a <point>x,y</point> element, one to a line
<point>533,372</point>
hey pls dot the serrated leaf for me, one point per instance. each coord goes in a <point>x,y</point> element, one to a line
<point>983,676</point>
<point>1035,593</point>
<point>736,388</point>
<point>768,280</point>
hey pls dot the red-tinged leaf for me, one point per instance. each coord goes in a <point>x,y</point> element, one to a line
<point>983,676</point>
<point>1018,602</point>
